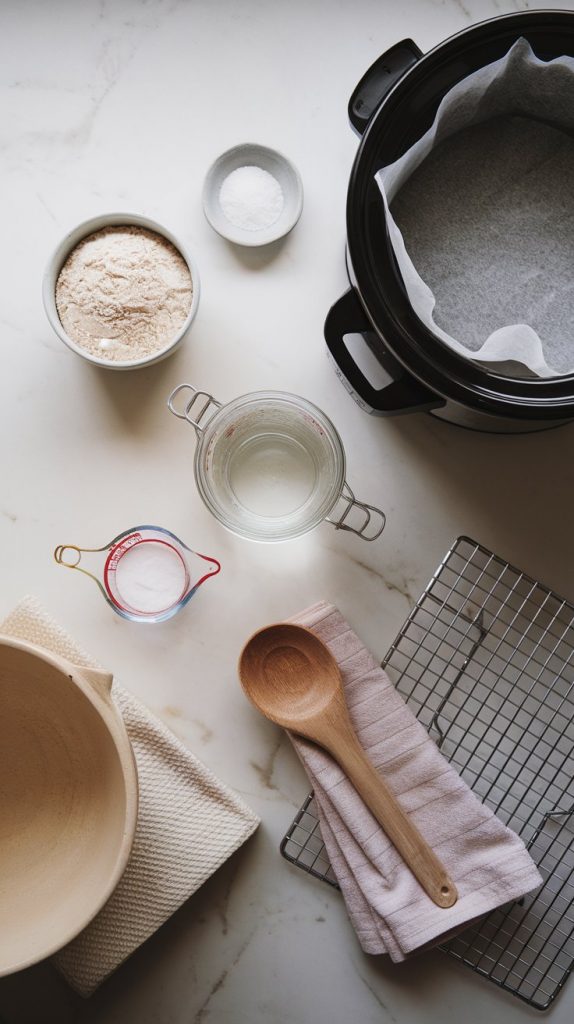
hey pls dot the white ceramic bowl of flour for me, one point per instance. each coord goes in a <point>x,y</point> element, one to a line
<point>65,248</point>
<point>252,195</point>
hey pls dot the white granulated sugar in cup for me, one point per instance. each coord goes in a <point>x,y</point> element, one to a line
<point>251,198</point>
<point>151,577</point>
<point>123,293</point>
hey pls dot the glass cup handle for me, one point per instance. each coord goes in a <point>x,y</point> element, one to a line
<point>370,521</point>
<point>70,556</point>
<point>185,413</point>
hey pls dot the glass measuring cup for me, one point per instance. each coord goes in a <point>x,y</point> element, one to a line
<point>270,466</point>
<point>146,574</point>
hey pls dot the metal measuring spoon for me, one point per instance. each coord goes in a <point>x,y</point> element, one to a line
<point>293,679</point>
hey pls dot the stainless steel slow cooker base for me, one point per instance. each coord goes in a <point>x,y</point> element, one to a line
<point>472,420</point>
<point>460,416</point>
<point>410,396</point>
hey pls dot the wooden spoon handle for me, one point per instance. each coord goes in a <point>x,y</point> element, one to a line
<point>405,837</point>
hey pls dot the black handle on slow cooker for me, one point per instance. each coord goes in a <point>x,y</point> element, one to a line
<point>403,394</point>
<point>379,80</point>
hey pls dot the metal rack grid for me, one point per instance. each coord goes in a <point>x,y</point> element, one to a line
<point>486,662</point>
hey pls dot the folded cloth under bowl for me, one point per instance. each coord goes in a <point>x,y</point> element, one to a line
<point>189,823</point>
<point>389,910</point>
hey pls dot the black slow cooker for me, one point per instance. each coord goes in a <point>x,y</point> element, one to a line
<point>393,105</point>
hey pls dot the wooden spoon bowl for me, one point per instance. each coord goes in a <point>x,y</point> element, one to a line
<point>275,668</point>
<point>293,679</point>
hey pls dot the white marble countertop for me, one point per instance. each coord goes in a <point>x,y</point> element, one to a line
<point>123,105</point>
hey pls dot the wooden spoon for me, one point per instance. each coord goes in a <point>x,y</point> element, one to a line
<point>293,679</point>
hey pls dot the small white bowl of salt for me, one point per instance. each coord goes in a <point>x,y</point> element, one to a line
<point>252,195</point>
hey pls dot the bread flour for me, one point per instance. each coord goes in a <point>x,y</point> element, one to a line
<point>123,293</point>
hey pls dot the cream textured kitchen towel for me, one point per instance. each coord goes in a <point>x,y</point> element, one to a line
<point>388,908</point>
<point>189,823</point>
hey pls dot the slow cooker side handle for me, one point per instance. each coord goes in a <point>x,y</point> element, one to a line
<point>403,394</point>
<point>379,80</point>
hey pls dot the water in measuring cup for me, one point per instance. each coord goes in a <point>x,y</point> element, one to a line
<point>272,474</point>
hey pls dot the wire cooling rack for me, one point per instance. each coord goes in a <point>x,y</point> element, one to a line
<point>486,662</point>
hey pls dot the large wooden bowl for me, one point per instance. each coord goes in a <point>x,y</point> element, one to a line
<point>68,801</point>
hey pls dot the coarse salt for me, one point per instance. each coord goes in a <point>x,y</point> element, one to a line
<point>251,198</point>
<point>151,577</point>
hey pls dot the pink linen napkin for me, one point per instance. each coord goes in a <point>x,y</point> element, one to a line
<point>389,910</point>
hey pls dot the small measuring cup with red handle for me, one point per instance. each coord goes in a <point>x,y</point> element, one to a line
<point>146,574</point>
